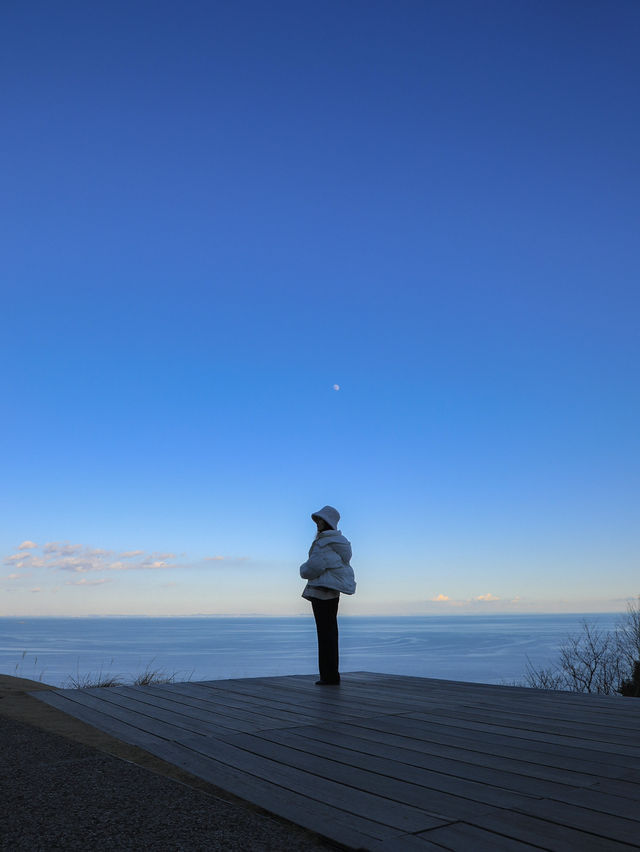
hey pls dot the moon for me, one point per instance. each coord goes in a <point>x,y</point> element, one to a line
<point>336,387</point>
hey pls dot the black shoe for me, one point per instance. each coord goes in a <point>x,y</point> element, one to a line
<point>327,683</point>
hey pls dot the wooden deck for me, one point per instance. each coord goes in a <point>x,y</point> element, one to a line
<point>386,762</point>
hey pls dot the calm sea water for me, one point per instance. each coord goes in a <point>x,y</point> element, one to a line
<point>486,649</point>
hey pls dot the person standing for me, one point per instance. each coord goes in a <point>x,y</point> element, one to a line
<point>328,572</point>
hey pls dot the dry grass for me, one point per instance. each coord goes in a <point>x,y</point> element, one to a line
<point>151,676</point>
<point>91,681</point>
<point>19,670</point>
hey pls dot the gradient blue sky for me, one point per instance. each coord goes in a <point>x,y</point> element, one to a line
<point>214,212</point>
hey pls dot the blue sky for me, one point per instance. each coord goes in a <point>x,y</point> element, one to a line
<point>214,213</point>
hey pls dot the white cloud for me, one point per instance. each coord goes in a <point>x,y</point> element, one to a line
<point>27,545</point>
<point>61,547</point>
<point>230,560</point>
<point>77,564</point>
<point>142,565</point>
<point>37,589</point>
<point>80,559</point>
<point>148,564</point>
<point>15,576</point>
<point>84,582</point>
<point>464,603</point>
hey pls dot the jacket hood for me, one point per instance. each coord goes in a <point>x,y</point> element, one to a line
<point>328,514</point>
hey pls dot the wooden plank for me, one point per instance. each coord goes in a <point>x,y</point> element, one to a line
<point>606,729</point>
<point>406,843</point>
<point>629,739</point>
<point>609,723</point>
<point>145,707</point>
<point>611,720</point>
<point>626,789</point>
<point>318,701</point>
<point>520,733</point>
<point>297,711</point>
<point>409,764</point>
<point>548,835</point>
<point>607,803</point>
<point>200,696</point>
<point>498,693</point>
<point>141,721</point>
<point>384,698</point>
<point>255,697</point>
<point>609,729</point>
<point>116,727</point>
<point>412,763</point>
<point>582,818</point>
<point>460,686</point>
<point>612,726</point>
<point>327,820</point>
<point>490,787</point>
<point>206,712</point>
<point>346,695</point>
<point>582,759</point>
<point>311,697</point>
<point>431,754</point>
<point>397,815</point>
<point>351,695</point>
<point>239,692</point>
<point>462,835</point>
<point>447,799</point>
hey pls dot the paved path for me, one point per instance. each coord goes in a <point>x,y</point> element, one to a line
<point>386,762</point>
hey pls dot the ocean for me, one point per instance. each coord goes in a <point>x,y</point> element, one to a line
<point>480,648</point>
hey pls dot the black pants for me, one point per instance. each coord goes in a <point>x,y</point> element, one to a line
<point>326,616</point>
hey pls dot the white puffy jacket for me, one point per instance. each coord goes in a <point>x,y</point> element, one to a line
<point>328,563</point>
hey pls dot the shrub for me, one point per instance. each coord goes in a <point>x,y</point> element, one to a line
<point>631,687</point>
<point>604,662</point>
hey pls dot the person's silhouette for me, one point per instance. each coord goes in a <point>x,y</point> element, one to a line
<point>328,572</point>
